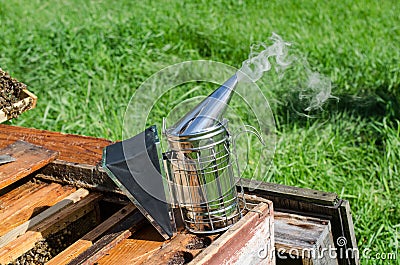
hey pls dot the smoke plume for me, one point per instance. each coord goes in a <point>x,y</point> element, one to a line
<point>313,89</point>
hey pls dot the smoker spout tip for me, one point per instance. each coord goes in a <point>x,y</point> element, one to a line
<point>208,113</point>
<point>231,82</point>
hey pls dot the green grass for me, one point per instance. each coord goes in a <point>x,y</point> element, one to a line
<point>84,60</point>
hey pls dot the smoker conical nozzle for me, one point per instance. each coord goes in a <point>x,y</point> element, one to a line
<point>207,113</point>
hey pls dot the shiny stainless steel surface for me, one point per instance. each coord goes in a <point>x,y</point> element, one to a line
<point>204,184</point>
<point>199,164</point>
<point>208,113</point>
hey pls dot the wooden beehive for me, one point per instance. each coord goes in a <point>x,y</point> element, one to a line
<point>56,223</point>
<point>55,199</point>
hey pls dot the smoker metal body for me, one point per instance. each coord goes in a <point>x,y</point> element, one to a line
<point>199,164</point>
<point>204,185</point>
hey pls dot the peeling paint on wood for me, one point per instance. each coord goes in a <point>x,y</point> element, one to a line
<point>249,241</point>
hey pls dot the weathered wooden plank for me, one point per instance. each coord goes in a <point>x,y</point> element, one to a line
<point>87,241</point>
<point>135,249</point>
<point>55,223</point>
<point>19,246</point>
<point>71,148</point>
<point>20,193</point>
<point>27,202</point>
<point>21,229</point>
<point>29,158</point>
<point>290,192</point>
<point>174,250</point>
<point>297,233</point>
<point>100,248</point>
<point>311,203</point>
<point>349,248</point>
<point>324,243</point>
<point>249,241</point>
<point>33,205</point>
<point>84,176</point>
<point>69,215</point>
<point>300,238</point>
<point>305,238</point>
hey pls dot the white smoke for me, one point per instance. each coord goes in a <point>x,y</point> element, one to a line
<point>317,91</point>
<point>258,61</point>
<point>314,89</point>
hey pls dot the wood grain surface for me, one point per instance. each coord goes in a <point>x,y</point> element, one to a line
<point>29,158</point>
<point>26,208</point>
<point>71,148</point>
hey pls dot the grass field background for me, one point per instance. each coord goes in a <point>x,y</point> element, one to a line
<point>84,60</point>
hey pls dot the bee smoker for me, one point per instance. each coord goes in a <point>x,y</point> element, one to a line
<point>199,165</point>
<point>196,173</point>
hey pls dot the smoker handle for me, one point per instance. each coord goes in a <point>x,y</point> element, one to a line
<point>245,129</point>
